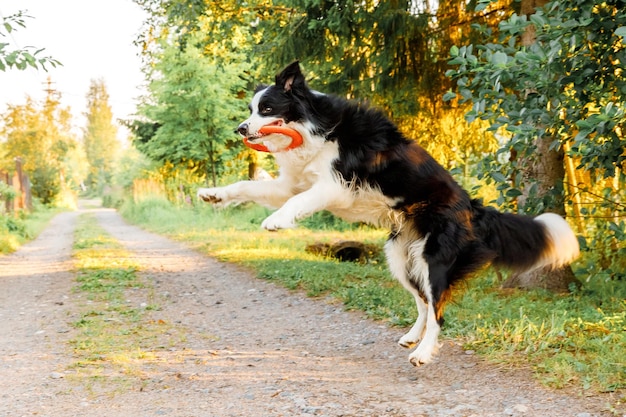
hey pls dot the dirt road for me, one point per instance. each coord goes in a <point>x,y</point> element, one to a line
<point>251,348</point>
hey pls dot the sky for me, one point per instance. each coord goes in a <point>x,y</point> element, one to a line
<point>93,39</point>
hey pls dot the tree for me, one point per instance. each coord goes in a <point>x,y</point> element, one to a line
<point>42,138</point>
<point>20,58</point>
<point>227,31</point>
<point>563,92</point>
<point>100,136</point>
<point>193,107</point>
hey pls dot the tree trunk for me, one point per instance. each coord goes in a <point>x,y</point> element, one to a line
<point>212,165</point>
<point>545,168</point>
<point>252,165</point>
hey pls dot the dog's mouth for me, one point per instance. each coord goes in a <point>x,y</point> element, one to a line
<point>259,134</point>
<point>276,127</point>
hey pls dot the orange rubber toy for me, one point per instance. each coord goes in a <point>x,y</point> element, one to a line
<point>296,138</point>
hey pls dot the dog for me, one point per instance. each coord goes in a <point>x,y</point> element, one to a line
<point>355,163</point>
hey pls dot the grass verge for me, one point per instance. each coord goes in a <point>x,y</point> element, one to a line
<point>115,334</point>
<point>576,340</point>
<point>15,230</point>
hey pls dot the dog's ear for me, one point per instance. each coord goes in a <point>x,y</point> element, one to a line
<point>291,77</point>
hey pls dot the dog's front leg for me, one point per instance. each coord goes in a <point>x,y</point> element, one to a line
<point>272,194</point>
<point>306,203</point>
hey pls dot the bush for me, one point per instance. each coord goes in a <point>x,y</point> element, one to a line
<point>11,230</point>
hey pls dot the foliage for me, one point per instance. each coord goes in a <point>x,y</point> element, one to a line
<point>21,58</point>
<point>7,193</point>
<point>100,136</point>
<point>537,90</point>
<point>23,227</point>
<point>9,240</point>
<point>568,86</point>
<point>573,340</point>
<point>46,183</point>
<point>194,107</point>
<point>41,136</point>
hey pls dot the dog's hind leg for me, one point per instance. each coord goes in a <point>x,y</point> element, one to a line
<point>397,252</point>
<point>414,336</point>
<point>429,344</point>
<point>421,275</point>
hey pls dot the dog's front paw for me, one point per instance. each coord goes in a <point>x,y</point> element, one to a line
<point>213,195</point>
<point>276,222</point>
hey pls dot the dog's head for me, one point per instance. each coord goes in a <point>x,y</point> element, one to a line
<point>281,104</point>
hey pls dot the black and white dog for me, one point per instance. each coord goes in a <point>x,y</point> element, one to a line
<point>355,163</point>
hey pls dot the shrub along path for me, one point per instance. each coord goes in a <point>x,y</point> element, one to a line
<point>203,338</point>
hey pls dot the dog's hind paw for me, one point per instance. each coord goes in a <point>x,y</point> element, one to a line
<point>414,336</point>
<point>407,342</point>
<point>274,222</point>
<point>419,360</point>
<point>423,354</point>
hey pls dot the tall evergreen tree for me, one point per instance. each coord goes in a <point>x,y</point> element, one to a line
<point>99,136</point>
<point>194,108</point>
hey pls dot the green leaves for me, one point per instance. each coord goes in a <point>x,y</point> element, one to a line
<point>499,59</point>
<point>194,108</point>
<point>23,58</point>
<point>449,95</point>
<point>569,82</point>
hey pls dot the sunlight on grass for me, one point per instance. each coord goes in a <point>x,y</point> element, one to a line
<point>114,335</point>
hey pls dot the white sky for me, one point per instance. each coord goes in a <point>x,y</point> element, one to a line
<point>92,39</point>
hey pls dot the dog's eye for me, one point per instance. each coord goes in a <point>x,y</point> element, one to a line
<point>266,110</point>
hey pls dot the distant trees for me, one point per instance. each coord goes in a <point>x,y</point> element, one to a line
<point>23,134</point>
<point>99,136</point>
<point>40,134</point>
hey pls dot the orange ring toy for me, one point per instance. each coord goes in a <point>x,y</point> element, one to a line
<point>296,137</point>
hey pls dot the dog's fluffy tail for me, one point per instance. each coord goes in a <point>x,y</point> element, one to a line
<point>525,243</point>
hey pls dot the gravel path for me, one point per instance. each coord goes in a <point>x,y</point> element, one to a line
<point>250,348</point>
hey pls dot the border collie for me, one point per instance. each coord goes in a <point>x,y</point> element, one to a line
<point>356,164</point>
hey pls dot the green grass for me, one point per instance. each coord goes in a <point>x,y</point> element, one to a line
<point>113,336</point>
<point>575,340</point>
<point>17,229</point>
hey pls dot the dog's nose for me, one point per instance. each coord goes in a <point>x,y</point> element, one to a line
<point>243,129</point>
